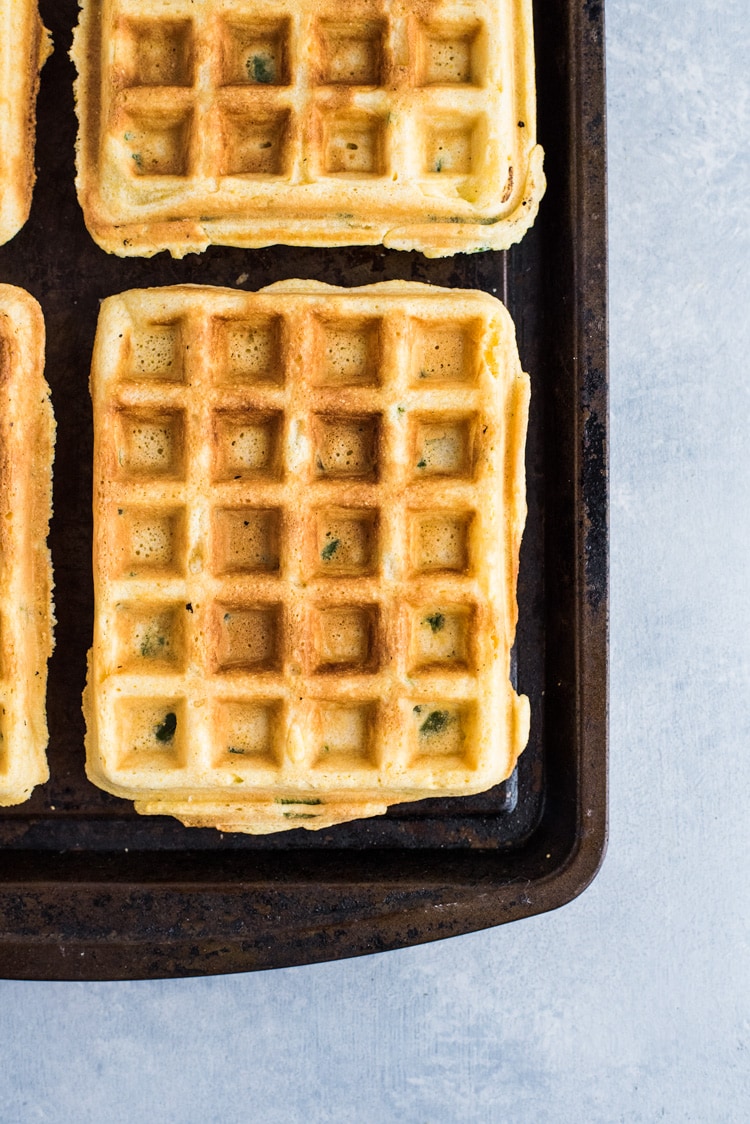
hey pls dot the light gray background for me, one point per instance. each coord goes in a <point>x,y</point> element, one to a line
<point>632,1003</point>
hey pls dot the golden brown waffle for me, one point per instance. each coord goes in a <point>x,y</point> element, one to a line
<point>252,122</point>
<point>27,431</point>
<point>24,48</point>
<point>308,510</point>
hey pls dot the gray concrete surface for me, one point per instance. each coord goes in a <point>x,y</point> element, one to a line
<point>631,1004</point>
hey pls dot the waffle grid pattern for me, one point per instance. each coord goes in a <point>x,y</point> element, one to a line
<point>211,109</point>
<point>305,483</point>
<point>264,104</point>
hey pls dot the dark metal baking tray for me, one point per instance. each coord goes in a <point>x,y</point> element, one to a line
<point>89,890</point>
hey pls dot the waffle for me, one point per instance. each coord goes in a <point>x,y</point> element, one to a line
<point>27,432</point>
<point>252,122</point>
<point>308,509</point>
<point>24,47</point>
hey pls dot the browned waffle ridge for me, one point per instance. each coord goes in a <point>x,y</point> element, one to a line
<point>27,431</point>
<point>308,509</point>
<point>24,48</point>
<point>410,123</point>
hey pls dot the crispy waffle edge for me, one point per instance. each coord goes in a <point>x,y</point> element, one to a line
<point>34,46</point>
<point>27,430</point>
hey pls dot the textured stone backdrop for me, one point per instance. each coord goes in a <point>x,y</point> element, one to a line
<point>631,1004</point>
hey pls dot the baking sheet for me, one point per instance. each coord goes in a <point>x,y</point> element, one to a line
<point>88,889</point>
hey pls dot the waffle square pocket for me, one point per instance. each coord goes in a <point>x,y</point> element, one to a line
<point>410,123</point>
<point>307,516</point>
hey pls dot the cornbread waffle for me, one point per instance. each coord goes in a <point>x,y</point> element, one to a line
<point>27,432</point>
<point>308,509</point>
<point>253,122</point>
<point>24,48</point>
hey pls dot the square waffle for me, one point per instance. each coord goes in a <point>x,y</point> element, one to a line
<point>251,122</point>
<point>27,431</point>
<point>307,515</point>
<point>24,48</point>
